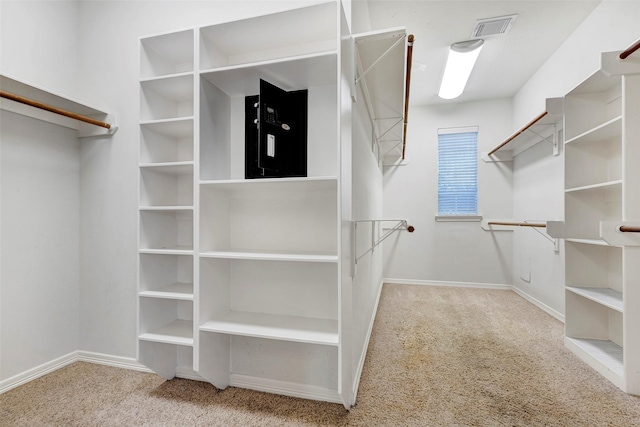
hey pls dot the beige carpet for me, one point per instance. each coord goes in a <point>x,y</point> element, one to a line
<point>438,357</point>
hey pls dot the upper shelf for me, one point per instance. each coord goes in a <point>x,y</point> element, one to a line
<point>541,128</point>
<point>22,89</point>
<point>381,74</point>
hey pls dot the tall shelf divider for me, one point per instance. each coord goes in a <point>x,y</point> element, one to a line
<point>242,281</point>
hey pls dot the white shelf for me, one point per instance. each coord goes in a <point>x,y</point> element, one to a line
<point>605,296</point>
<point>270,326</point>
<point>272,184</point>
<point>179,250</point>
<point>179,291</point>
<point>175,127</point>
<point>602,355</point>
<point>588,241</point>
<point>166,208</point>
<point>289,74</point>
<point>273,256</point>
<point>599,186</point>
<point>178,332</point>
<point>606,131</point>
<point>171,168</point>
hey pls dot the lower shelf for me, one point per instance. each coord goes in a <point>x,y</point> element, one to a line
<point>602,355</point>
<point>178,332</point>
<point>273,255</point>
<point>278,327</point>
<point>605,296</point>
<point>181,291</point>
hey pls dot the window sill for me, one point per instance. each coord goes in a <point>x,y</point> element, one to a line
<point>458,218</point>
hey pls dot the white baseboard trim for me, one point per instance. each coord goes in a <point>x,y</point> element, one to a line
<point>363,353</point>
<point>38,371</point>
<point>285,388</point>
<point>452,284</point>
<point>110,360</point>
<point>539,304</point>
<point>521,293</point>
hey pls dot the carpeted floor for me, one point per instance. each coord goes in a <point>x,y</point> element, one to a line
<point>437,357</point>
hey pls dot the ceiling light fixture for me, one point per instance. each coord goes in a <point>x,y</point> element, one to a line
<point>462,58</point>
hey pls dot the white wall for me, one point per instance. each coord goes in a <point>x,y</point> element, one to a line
<point>39,249</point>
<point>538,179</point>
<point>40,193</point>
<point>449,251</point>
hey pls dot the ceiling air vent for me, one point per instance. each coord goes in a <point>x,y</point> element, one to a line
<point>492,26</point>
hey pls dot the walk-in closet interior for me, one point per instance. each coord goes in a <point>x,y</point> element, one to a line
<point>219,190</point>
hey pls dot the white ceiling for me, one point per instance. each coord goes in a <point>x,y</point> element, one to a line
<point>506,62</point>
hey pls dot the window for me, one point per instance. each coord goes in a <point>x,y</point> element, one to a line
<point>458,173</point>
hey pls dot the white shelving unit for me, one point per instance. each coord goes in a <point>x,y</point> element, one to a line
<point>167,260</point>
<point>243,280</point>
<point>602,143</point>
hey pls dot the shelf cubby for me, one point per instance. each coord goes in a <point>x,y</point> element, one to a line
<point>593,161</point>
<point>588,205</point>
<point>167,54</point>
<point>166,321</point>
<point>166,231</point>
<point>300,296</point>
<point>269,216</point>
<point>166,276</point>
<point>592,104</point>
<point>166,98</point>
<point>222,124</point>
<point>166,184</point>
<point>164,141</point>
<point>255,40</point>
<point>588,318</point>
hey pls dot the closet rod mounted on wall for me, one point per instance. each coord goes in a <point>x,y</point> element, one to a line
<point>406,91</point>
<point>628,229</point>
<point>515,135</point>
<point>518,224</point>
<point>630,50</point>
<point>52,109</point>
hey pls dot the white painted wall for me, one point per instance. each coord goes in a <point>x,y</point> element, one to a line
<point>40,193</point>
<point>449,251</point>
<point>39,248</point>
<point>538,179</point>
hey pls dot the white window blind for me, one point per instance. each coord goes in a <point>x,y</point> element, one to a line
<point>458,171</point>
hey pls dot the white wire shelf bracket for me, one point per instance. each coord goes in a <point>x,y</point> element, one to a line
<point>378,235</point>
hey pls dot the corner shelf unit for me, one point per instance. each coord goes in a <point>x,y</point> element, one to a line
<point>241,281</point>
<point>602,143</point>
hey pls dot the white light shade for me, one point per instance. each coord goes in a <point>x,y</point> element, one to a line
<point>462,58</point>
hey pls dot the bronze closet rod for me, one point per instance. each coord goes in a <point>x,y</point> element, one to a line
<point>406,91</point>
<point>42,106</point>
<point>512,137</point>
<point>519,224</point>
<point>630,50</point>
<point>628,229</point>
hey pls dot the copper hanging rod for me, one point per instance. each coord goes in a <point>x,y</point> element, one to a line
<point>406,91</point>
<point>630,50</point>
<point>519,224</point>
<point>42,106</point>
<point>629,229</point>
<point>523,129</point>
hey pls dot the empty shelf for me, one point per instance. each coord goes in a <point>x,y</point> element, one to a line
<point>177,332</point>
<point>278,327</point>
<point>606,353</point>
<point>273,255</point>
<point>605,296</point>
<point>181,291</point>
